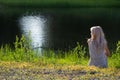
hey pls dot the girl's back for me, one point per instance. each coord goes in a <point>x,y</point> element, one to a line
<point>97,56</point>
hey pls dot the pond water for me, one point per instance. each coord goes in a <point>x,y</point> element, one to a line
<point>58,28</point>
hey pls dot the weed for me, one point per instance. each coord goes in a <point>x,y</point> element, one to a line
<point>23,52</point>
<point>115,58</point>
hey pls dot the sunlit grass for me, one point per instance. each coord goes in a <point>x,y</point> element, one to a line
<point>22,52</point>
<point>22,62</point>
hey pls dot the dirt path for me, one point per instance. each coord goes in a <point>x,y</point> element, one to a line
<point>52,74</point>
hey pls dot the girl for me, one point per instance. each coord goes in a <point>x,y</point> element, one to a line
<point>98,49</point>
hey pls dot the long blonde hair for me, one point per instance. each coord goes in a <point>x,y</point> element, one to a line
<point>98,36</point>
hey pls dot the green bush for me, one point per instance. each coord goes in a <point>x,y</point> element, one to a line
<point>115,58</point>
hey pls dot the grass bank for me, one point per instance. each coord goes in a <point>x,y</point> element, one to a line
<point>61,3</point>
<point>24,63</point>
<point>23,52</point>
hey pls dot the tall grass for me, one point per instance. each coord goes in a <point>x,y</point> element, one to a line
<point>115,58</point>
<point>73,56</point>
<point>23,52</point>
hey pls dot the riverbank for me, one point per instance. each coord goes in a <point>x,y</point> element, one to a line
<point>25,64</point>
<point>38,71</point>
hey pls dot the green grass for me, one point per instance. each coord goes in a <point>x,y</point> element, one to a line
<point>23,63</point>
<point>114,60</point>
<point>61,3</point>
<point>22,52</point>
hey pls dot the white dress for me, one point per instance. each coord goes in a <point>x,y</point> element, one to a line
<point>97,56</point>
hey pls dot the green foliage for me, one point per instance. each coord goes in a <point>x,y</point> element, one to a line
<point>5,51</point>
<point>115,58</point>
<point>80,51</point>
<point>118,48</point>
<point>23,52</point>
<point>74,56</point>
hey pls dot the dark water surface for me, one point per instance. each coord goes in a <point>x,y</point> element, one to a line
<point>63,27</point>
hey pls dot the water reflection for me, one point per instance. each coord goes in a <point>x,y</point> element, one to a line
<point>33,27</point>
<point>64,27</point>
